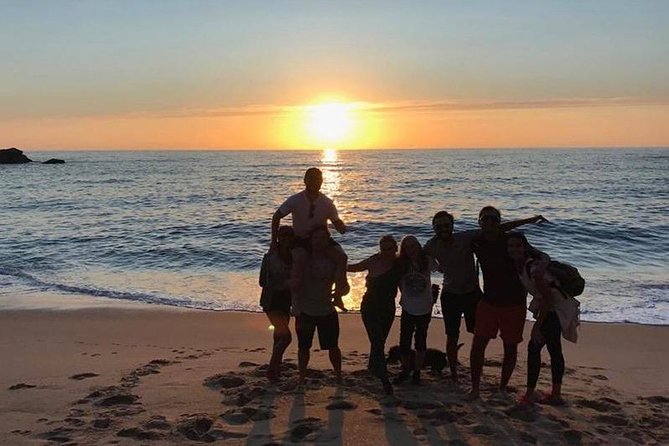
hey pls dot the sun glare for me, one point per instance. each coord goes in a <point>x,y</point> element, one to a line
<point>330,123</point>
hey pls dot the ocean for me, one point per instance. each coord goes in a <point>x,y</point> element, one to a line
<point>189,228</point>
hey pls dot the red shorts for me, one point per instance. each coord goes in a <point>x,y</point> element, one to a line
<point>508,321</point>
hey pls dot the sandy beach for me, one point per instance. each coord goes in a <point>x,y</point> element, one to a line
<point>157,375</point>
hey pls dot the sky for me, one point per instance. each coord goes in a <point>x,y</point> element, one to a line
<point>255,74</point>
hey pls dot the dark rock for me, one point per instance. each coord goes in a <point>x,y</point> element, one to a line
<point>54,161</point>
<point>13,156</point>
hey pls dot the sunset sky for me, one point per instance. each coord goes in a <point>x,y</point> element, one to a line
<point>345,74</point>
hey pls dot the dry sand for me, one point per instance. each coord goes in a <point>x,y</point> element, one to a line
<point>154,375</point>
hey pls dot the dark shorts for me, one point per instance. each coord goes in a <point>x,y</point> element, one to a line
<point>327,326</point>
<point>303,243</point>
<point>509,322</point>
<point>279,303</point>
<point>412,326</point>
<point>454,306</point>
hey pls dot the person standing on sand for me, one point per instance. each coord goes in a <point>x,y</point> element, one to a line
<point>416,301</point>
<point>460,290</point>
<point>309,209</point>
<point>502,308</point>
<point>275,298</point>
<point>556,314</point>
<point>313,304</point>
<point>378,303</point>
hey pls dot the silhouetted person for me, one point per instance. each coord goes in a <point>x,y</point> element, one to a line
<point>416,302</point>
<point>309,209</point>
<point>275,299</point>
<point>378,303</point>
<point>460,290</point>
<point>502,308</point>
<point>313,304</point>
<point>556,314</point>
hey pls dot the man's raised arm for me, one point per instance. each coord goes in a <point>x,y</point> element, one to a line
<point>510,225</point>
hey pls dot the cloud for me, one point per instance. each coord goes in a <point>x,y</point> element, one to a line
<point>420,106</point>
<point>374,107</point>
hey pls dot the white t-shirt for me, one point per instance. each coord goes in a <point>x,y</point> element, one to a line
<point>416,292</point>
<point>567,308</point>
<point>309,214</point>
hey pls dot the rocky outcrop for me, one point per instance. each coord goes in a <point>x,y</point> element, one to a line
<point>13,156</point>
<point>54,161</point>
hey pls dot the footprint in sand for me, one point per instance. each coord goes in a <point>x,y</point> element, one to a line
<point>612,420</point>
<point>20,386</point>
<point>341,405</point>
<point>139,434</point>
<point>58,435</point>
<point>116,400</point>
<point>306,427</point>
<point>85,375</point>
<point>224,381</point>
<point>101,423</point>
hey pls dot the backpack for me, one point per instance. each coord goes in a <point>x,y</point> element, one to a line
<point>571,282</point>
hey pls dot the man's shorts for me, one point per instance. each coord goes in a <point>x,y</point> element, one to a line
<point>327,326</point>
<point>300,242</point>
<point>454,306</point>
<point>508,321</point>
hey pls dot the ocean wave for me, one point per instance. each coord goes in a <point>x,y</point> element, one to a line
<point>45,285</point>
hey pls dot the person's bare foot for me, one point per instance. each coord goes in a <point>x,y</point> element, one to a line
<point>272,375</point>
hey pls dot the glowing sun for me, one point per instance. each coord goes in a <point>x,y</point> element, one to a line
<point>330,123</point>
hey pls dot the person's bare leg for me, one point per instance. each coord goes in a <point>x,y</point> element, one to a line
<point>508,365</point>
<point>452,355</point>
<point>335,360</point>
<point>477,356</point>
<point>282,339</point>
<point>302,363</point>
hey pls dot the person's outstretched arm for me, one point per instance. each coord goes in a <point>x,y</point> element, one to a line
<point>510,225</point>
<point>358,267</point>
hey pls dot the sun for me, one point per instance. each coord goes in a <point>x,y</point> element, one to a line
<point>330,123</point>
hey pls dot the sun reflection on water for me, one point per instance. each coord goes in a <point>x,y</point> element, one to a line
<point>330,166</point>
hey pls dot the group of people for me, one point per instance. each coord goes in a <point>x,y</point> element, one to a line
<point>304,274</point>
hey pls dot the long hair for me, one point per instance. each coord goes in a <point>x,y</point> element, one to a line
<point>530,250</point>
<point>404,260</point>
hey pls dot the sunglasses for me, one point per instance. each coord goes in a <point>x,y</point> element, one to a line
<point>489,218</point>
<point>443,226</point>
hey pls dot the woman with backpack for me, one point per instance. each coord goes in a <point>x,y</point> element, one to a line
<point>556,314</point>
